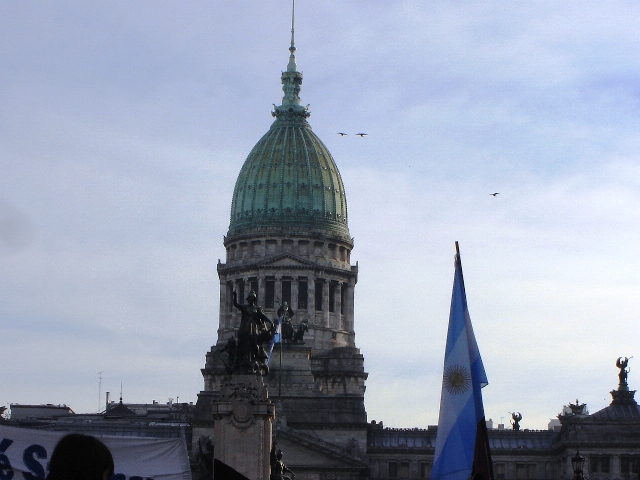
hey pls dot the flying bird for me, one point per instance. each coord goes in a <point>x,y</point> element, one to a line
<point>361,134</point>
<point>494,194</point>
<point>342,134</point>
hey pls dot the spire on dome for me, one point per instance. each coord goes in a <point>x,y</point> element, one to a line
<point>292,67</point>
<point>291,82</point>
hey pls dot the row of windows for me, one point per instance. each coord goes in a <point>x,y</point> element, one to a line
<point>303,294</point>
<point>523,471</point>
<point>599,463</point>
<point>400,469</point>
<point>256,248</point>
<point>400,441</point>
<point>602,464</point>
<point>630,464</point>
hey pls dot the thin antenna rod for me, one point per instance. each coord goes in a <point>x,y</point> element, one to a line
<point>99,390</point>
<point>293,16</point>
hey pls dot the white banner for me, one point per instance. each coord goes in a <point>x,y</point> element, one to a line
<point>27,451</point>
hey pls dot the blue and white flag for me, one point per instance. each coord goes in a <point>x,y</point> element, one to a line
<point>462,448</point>
<point>276,336</point>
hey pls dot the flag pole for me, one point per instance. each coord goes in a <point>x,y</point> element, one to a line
<point>280,364</point>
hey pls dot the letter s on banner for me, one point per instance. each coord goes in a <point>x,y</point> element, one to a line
<point>35,467</point>
<point>6,472</point>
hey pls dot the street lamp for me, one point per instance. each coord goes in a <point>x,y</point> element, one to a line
<point>577,463</point>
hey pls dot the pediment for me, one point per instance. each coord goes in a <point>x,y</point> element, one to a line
<point>305,451</point>
<point>286,260</point>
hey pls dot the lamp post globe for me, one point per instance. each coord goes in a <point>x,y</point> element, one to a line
<point>577,464</point>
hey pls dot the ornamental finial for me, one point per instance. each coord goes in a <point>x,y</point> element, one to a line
<point>292,67</point>
<point>291,82</point>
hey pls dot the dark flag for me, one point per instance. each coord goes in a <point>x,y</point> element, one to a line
<point>222,471</point>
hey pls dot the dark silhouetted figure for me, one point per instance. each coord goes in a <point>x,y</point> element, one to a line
<point>279,470</point>
<point>255,329</point>
<point>231,349</point>
<point>517,416</point>
<point>622,363</point>
<point>80,457</point>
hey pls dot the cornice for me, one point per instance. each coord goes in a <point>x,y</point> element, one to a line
<point>222,268</point>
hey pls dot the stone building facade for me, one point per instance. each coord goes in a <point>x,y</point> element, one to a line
<point>609,441</point>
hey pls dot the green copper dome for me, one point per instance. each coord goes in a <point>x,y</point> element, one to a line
<point>289,182</point>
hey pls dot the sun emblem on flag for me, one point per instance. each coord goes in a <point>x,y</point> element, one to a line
<point>457,379</point>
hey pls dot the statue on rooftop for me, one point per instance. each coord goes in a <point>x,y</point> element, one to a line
<point>286,327</point>
<point>289,333</point>
<point>255,330</point>
<point>578,408</point>
<point>516,416</point>
<point>621,363</point>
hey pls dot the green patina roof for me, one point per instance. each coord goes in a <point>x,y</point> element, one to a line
<point>289,181</point>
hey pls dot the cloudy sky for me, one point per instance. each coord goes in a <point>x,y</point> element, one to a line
<point>123,126</point>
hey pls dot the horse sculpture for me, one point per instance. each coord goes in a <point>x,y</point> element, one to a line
<point>290,335</point>
<point>298,337</point>
<point>287,330</point>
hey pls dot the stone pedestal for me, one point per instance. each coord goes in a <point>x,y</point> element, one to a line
<point>243,418</point>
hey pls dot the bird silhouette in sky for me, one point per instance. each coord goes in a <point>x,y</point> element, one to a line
<point>494,194</point>
<point>342,134</point>
<point>361,134</point>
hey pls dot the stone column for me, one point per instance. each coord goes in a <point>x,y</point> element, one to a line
<point>325,304</point>
<point>294,293</point>
<point>311,306</point>
<point>277,292</point>
<point>349,307</point>
<point>224,304</point>
<point>262,287</point>
<point>338,306</point>
<point>243,418</point>
<point>311,300</point>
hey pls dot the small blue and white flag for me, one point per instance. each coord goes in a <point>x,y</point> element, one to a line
<point>462,447</point>
<point>276,336</point>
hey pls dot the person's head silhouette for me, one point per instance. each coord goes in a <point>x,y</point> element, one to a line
<point>80,457</point>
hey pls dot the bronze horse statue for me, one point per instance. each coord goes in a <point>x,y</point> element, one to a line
<point>298,337</point>
<point>291,335</point>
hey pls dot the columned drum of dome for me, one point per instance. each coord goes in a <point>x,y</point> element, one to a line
<point>288,236</point>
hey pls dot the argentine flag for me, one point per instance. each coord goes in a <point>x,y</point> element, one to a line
<point>276,336</point>
<point>462,448</point>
